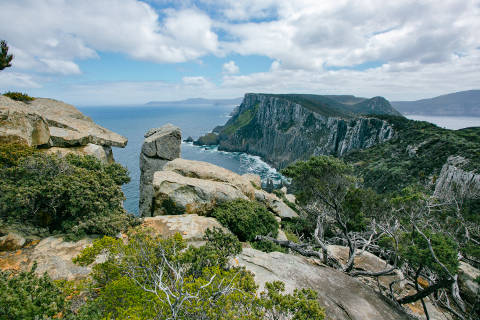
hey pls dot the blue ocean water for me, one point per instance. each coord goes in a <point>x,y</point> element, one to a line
<point>132,122</point>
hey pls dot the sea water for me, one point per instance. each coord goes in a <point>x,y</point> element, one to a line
<point>133,121</point>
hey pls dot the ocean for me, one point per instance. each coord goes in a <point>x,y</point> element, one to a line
<point>133,121</point>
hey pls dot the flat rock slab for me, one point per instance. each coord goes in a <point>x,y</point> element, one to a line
<point>53,255</point>
<point>192,227</point>
<point>67,126</point>
<point>343,297</point>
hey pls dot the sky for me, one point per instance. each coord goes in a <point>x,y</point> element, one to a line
<point>121,52</point>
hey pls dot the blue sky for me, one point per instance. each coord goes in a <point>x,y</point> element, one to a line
<point>120,52</point>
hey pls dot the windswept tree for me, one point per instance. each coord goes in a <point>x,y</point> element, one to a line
<point>413,231</point>
<point>5,58</point>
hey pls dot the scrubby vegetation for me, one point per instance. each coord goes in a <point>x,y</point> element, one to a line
<point>27,296</point>
<point>246,219</point>
<point>415,155</point>
<point>153,278</point>
<point>18,96</point>
<point>76,195</point>
<point>421,235</point>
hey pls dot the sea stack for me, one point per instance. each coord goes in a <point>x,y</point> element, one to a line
<point>160,146</point>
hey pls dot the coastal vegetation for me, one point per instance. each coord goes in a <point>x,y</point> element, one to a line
<point>18,96</point>
<point>43,194</point>
<point>420,234</point>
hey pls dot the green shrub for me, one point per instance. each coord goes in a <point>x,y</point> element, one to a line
<point>128,282</point>
<point>76,195</point>
<point>27,296</point>
<point>246,219</point>
<point>12,153</point>
<point>18,96</point>
<point>268,246</point>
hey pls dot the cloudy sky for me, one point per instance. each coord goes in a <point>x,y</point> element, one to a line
<point>108,52</point>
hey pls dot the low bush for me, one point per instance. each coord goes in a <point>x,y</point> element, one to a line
<point>75,195</point>
<point>27,296</point>
<point>150,277</point>
<point>246,219</point>
<point>18,96</point>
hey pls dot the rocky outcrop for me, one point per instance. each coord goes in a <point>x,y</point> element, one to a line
<point>467,276</point>
<point>160,146</point>
<point>192,227</point>
<point>187,186</point>
<point>344,297</point>
<point>56,125</point>
<point>282,131</point>
<point>454,179</point>
<point>53,255</point>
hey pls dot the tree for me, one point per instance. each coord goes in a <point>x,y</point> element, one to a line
<point>5,58</point>
<point>148,277</point>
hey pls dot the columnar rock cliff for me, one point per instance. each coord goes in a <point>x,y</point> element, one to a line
<point>282,130</point>
<point>160,146</point>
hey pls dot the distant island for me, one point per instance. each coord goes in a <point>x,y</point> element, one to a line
<point>197,102</point>
<point>463,103</point>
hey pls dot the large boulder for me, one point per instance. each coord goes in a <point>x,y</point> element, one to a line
<point>102,153</point>
<point>344,297</point>
<point>275,204</point>
<point>18,124</point>
<point>160,146</point>
<point>208,171</point>
<point>192,227</point>
<point>174,193</point>
<point>469,288</point>
<point>11,241</point>
<point>53,255</point>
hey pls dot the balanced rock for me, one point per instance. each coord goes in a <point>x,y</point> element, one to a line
<point>160,146</point>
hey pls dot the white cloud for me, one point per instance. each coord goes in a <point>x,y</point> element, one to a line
<point>230,67</point>
<point>409,49</point>
<point>49,35</point>
<point>14,80</point>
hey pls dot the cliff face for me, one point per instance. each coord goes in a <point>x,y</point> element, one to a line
<point>282,131</point>
<point>454,180</point>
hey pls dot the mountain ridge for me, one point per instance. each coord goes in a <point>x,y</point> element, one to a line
<point>462,103</point>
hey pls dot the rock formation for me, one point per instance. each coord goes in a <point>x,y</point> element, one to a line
<point>454,180</point>
<point>281,130</point>
<point>196,187</point>
<point>344,297</point>
<point>53,124</point>
<point>52,255</point>
<point>160,146</point>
